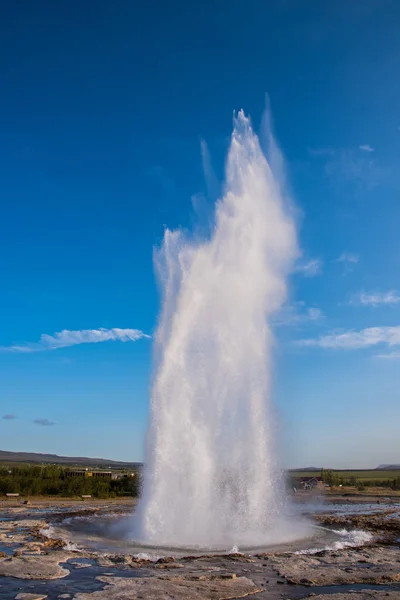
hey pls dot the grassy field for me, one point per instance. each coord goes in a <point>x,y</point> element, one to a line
<point>361,475</point>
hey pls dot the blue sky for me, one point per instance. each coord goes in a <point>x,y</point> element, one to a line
<point>102,110</point>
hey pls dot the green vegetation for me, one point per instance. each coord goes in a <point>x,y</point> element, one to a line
<point>362,480</point>
<point>52,480</point>
<point>367,475</point>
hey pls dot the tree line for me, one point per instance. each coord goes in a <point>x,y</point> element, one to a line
<point>51,480</point>
<point>334,479</point>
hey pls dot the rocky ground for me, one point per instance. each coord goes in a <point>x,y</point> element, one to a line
<point>34,567</point>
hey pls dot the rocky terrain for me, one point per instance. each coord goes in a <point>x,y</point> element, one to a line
<point>34,567</point>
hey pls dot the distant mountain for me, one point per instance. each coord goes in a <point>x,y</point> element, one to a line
<point>307,469</point>
<point>388,468</point>
<point>76,461</point>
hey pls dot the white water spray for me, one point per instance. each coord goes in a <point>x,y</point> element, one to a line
<point>211,478</point>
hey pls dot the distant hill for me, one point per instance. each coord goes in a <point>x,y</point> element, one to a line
<point>388,467</point>
<point>76,461</point>
<point>394,467</point>
<point>307,469</point>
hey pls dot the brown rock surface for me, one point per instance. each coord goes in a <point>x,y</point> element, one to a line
<point>361,595</point>
<point>35,567</point>
<point>377,522</point>
<point>178,588</point>
<point>367,565</point>
<point>23,596</point>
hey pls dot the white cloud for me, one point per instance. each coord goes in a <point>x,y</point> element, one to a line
<point>347,257</point>
<point>67,337</point>
<point>44,422</point>
<point>310,268</point>
<point>315,314</point>
<point>295,314</point>
<point>350,167</point>
<point>377,298</point>
<point>353,340</point>
<point>366,148</point>
<point>389,355</point>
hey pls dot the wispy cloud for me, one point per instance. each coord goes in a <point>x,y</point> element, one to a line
<point>298,314</point>
<point>354,340</point>
<point>67,337</point>
<point>389,355</point>
<point>375,299</point>
<point>44,422</point>
<point>348,261</point>
<point>212,183</point>
<point>9,417</point>
<point>347,257</point>
<point>349,166</point>
<point>310,268</point>
<point>366,148</point>
<point>315,314</point>
<point>321,151</point>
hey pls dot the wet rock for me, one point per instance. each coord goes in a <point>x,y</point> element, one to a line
<point>360,595</point>
<point>341,567</point>
<point>208,557</point>
<point>206,577</point>
<point>79,565</point>
<point>76,512</point>
<point>173,565</point>
<point>118,559</point>
<point>54,544</point>
<point>165,560</point>
<point>35,567</point>
<point>178,588</point>
<point>30,597</point>
<point>375,522</point>
<point>134,564</point>
<point>236,556</point>
<point>141,562</point>
<point>33,548</point>
<point>114,559</point>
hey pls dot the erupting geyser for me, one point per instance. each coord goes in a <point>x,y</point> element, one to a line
<point>211,477</point>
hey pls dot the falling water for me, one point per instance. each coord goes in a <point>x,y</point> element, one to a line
<point>211,476</point>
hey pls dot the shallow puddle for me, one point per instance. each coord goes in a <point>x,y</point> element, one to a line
<point>9,549</point>
<point>79,580</point>
<point>336,589</point>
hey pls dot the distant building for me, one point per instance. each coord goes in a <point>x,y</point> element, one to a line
<point>99,474</point>
<point>102,474</point>
<point>122,475</point>
<point>311,482</point>
<point>77,473</point>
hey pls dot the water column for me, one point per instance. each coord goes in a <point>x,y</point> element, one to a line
<point>211,477</point>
